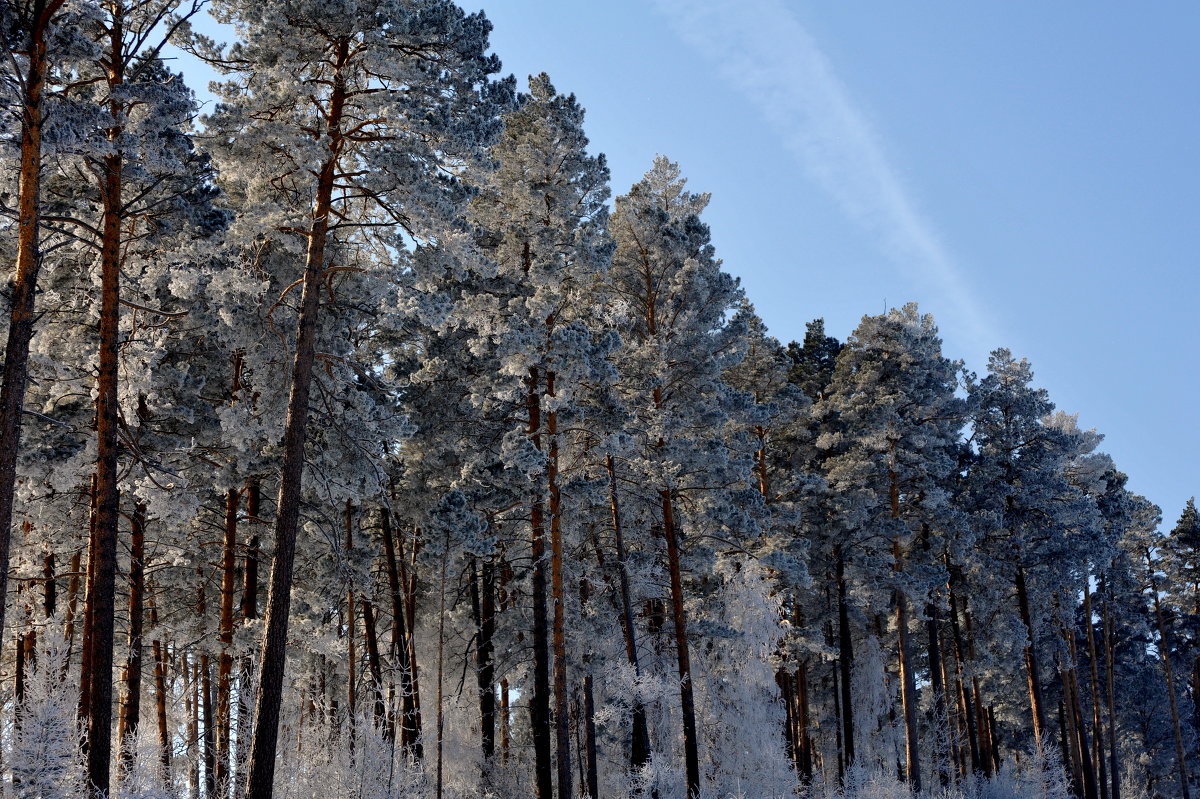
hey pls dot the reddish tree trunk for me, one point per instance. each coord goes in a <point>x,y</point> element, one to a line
<point>28,265</point>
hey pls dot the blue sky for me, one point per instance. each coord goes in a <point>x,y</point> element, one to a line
<point>1028,172</point>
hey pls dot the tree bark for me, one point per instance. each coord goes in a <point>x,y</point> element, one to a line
<point>539,701</point>
<point>1109,678</point>
<point>131,707</point>
<point>845,659</point>
<point>1164,652</point>
<point>687,702</point>
<point>640,743</point>
<point>28,265</point>
<point>225,638</point>
<point>1097,754</point>
<point>261,771</point>
<point>1036,703</point>
<point>562,713</point>
<point>908,683</point>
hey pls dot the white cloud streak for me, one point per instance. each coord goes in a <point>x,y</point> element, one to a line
<point>762,50</point>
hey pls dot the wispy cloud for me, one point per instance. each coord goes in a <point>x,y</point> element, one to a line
<point>760,48</point>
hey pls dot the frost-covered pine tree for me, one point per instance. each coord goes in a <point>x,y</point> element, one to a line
<point>893,394</point>
<point>338,137</point>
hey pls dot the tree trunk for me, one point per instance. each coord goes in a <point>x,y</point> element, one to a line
<point>937,678</point>
<point>210,738</point>
<point>640,743</point>
<point>845,659</point>
<point>965,692</point>
<point>1114,773</point>
<point>411,704</point>
<point>160,696</point>
<point>1164,652</point>
<point>562,713</point>
<point>85,649</point>
<point>351,610</point>
<point>374,664</point>
<point>261,771</point>
<point>1097,754</point>
<point>539,701</point>
<point>225,638</point>
<point>131,708</point>
<point>687,703</point>
<point>399,638</point>
<point>1036,704</point>
<point>49,586</point>
<point>908,683</point>
<point>28,265</point>
<point>483,606</point>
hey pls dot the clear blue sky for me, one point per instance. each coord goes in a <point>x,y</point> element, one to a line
<point>1028,172</point>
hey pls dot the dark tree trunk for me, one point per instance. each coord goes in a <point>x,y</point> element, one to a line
<point>539,701</point>
<point>225,638</point>
<point>687,702</point>
<point>562,712</point>
<point>845,659</point>
<point>261,771</point>
<point>1036,703</point>
<point>1109,678</point>
<point>131,707</point>
<point>640,743</point>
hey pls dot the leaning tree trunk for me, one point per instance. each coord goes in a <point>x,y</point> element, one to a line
<point>261,771</point>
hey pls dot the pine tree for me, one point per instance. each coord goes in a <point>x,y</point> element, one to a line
<point>894,395</point>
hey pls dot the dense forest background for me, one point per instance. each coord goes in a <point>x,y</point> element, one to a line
<point>355,442</point>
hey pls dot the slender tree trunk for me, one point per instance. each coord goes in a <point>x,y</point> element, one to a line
<point>49,586</point>
<point>72,607</point>
<point>160,695</point>
<point>908,683</point>
<point>640,743</point>
<point>937,678</point>
<point>225,638</point>
<point>483,606</point>
<point>589,729</point>
<point>1093,661</point>
<point>1164,652</point>
<point>131,708</point>
<point>802,713</point>
<point>539,701</point>
<point>28,265</point>
<point>85,649</point>
<point>261,771</point>
<point>558,595</point>
<point>687,702</point>
<point>210,738</point>
<point>249,610</point>
<point>374,663</point>
<point>1109,677</point>
<point>411,704</point>
<point>193,712</point>
<point>965,692</point>
<point>396,585</point>
<point>1036,704</point>
<point>845,659</point>
<point>351,642</point>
